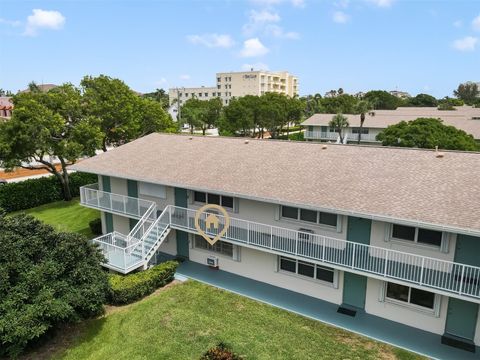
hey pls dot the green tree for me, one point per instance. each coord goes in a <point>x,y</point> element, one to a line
<point>362,108</point>
<point>382,100</point>
<point>46,128</point>
<point>467,92</point>
<point>339,122</point>
<point>422,100</point>
<point>193,113</point>
<point>115,105</point>
<point>344,104</point>
<point>46,279</point>
<point>237,118</point>
<point>153,118</point>
<point>294,111</point>
<point>448,103</point>
<point>160,96</point>
<point>427,133</point>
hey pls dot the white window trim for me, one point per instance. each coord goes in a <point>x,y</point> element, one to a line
<point>333,284</point>
<point>444,245</point>
<point>337,227</point>
<point>432,312</point>
<point>233,209</point>
<point>143,189</point>
<point>236,253</point>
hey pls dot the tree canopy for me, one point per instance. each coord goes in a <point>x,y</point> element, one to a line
<point>339,122</point>
<point>427,133</point>
<point>46,279</point>
<point>468,92</point>
<point>46,128</point>
<point>421,100</point>
<point>160,96</point>
<point>382,100</point>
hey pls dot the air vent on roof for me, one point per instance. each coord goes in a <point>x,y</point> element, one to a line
<point>246,141</point>
<point>190,138</point>
<point>324,146</point>
<point>438,154</point>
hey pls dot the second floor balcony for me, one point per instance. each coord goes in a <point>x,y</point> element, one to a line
<point>444,277</point>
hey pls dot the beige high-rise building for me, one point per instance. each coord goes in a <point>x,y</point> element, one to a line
<point>237,84</point>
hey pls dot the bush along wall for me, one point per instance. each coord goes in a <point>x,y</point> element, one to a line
<point>34,192</point>
<point>125,289</point>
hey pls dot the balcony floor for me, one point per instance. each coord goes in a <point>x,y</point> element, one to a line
<point>387,331</point>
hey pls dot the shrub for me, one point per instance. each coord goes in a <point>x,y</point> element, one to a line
<point>47,278</point>
<point>35,192</point>
<point>220,352</point>
<point>125,289</point>
<point>96,226</point>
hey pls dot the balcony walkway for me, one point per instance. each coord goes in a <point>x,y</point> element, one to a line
<point>390,332</point>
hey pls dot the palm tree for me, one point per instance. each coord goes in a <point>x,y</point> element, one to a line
<point>362,108</point>
<point>339,122</point>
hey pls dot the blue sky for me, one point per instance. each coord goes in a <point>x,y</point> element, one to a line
<point>416,46</point>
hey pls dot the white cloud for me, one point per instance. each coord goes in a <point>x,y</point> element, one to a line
<point>263,16</point>
<point>298,3</point>
<point>278,32</point>
<point>467,43</point>
<point>43,19</point>
<point>10,22</point>
<point>476,23</point>
<point>255,66</point>
<point>212,40</point>
<point>340,17</point>
<point>342,4</point>
<point>381,3</point>
<point>253,48</point>
<point>458,23</point>
<point>185,77</point>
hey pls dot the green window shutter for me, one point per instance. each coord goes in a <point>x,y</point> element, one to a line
<point>106,184</point>
<point>132,188</point>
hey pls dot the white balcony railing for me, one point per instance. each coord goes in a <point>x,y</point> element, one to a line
<point>326,135</point>
<point>449,277</point>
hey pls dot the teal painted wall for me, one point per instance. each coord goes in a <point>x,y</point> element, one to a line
<point>462,315</point>
<point>181,199</point>
<point>106,186</point>
<point>132,190</point>
<point>355,286</point>
<point>461,318</point>
<point>467,250</point>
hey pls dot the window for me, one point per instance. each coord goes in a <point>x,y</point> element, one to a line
<point>410,295</point>
<point>220,247</point>
<point>154,190</point>
<point>307,269</point>
<point>219,79</point>
<point>202,197</point>
<point>357,130</point>
<point>199,94</point>
<point>316,217</point>
<point>418,235</point>
<point>180,94</point>
<point>206,94</point>
<point>219,86</point>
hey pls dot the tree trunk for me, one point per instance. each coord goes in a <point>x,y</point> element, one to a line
<point>362,119</point>
<point>288,129</point>
<point>104,144</point>
<point>65,181</point>
<point>203,131</point>
<point>191,129</point>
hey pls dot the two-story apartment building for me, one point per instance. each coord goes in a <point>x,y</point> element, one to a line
<point>391,232</point>
<point>466,118</point>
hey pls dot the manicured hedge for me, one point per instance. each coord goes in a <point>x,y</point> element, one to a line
<point>126,289</point>
<point>34,192</point>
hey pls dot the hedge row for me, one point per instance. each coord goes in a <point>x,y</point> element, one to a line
<point>125,289</point>
<point>34,192</point>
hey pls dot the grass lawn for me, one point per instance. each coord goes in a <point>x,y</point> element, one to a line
<point>66,216</point>
<point>184,320</point>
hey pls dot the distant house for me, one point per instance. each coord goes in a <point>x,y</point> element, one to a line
<point>42,87</point>
<point>464,117</point>
<point>6,107</point>
<point>400,94</point>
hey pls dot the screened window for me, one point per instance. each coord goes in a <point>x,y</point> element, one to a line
<point>410,295</point>
<point>154,190</point>
<point>220,247</point>
<point>307,269</point>
<point>201,197</point>
<point>418,235</point>
<point>317,217</point>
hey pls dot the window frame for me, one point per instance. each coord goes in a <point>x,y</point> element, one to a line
<point>318,217</point>
<point>211,248</point>
<point>415,238</point>
<point>220,199</point>
<point>435,310</point>
<point>315,266</point>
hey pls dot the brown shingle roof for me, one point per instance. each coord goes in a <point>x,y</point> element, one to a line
<point>406,184</point>
<point>460,118</point>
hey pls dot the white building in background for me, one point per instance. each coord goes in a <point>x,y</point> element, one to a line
<point>237,84</point>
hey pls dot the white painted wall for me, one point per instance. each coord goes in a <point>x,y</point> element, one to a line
<point>121,224</point>
<point>262,266</point>
<point>377,238</point>
<point>403,313</point>
<point>169,245</point>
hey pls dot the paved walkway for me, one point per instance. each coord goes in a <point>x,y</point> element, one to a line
<point>390,332</point>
